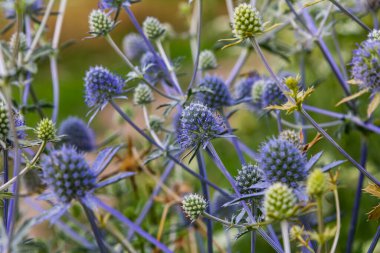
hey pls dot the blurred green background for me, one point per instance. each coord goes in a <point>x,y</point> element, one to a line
<point>252,130</point>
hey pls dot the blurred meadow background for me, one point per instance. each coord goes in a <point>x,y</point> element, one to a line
<point>81,53</point>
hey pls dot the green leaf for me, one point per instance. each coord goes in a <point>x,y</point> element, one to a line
<point>353,96</point>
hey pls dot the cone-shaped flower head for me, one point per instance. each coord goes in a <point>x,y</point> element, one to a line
<point>214,92</point>
<point>207,60</point>
<point>22,45</point>
<point>101,86</point>
<point>151,67</point>
<point>198,125</point>
<point>143,95</point>
<point>68,174</point>
<point>4,121</point>
<point>194,205</point>
<point>78,134</point>
<point>317,183</point>
<point>257,93</point>
<point>293,137</point>
<point>134,46</point>
<point>248,176</point>
<point>153,28</point>
<point>156,122</point>
<point>283,162</point>
<point>366,64</point>
<point>247,21</point>
<point>374,35</point>
<point>46,130</point>
<point>100,23</point>
<point>279,202</point>
<point>272,95</point>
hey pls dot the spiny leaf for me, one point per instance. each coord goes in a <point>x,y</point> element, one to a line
<point>373,104</point>
<point>374,214</point>
<point>353,96</point>
<point>373,189</point>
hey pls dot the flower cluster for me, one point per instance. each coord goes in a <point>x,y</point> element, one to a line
<point>213,92</point>
<point>247,21</point>
<point>194,205</point>
<point>249,176</point>
<point>76,133</point>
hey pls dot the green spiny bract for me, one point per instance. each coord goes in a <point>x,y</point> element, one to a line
<point>143,95</point>
<point>153,28</point>
<point>207,60</point>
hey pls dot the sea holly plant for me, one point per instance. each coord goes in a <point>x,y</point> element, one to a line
<point>185,148</point>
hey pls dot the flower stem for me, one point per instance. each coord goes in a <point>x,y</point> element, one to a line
<point>5,180</point>
<point>321,227</point>
<point>349,14</point>
<point>203,173</point>
<point>238,66</point>
<point>338,220</point>
<point>97,233</point>
<point>374,241</point>
<point>28,167</point>
<point>285,235</point>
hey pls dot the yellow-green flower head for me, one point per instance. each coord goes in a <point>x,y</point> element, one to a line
<point>247,21</point>
<point>46,130</point>
<point>317,183</point>
<point>296,231</point>
<point>153,28</point>
<point>143,95</point>
<point>4,121</point>
<point>279,202</point>
<point>194,205</point>
<point>100,23</point>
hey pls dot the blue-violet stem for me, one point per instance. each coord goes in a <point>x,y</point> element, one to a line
<point>358,194</point>
<point>130,224</point>
<point>97,233</point>
<point>374,241</point>
<point>206,194</point>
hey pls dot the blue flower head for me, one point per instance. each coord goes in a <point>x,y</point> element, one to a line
<point>134,46</point>
<point>152,68</point>
<point>248,176</point>
<point>77,134</point>
<point>272,95</point>
<point>68,174</point>
<point>32,8</point>
<point>366,64</point>
<point>282,161</point>
<point>101,86</point>
<point>244,87</point>
<point>213,92</point>
<point>198,125</point>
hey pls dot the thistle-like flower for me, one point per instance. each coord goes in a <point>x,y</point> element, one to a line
<point>248,176</point>
<point>279,202</point>
<point>100,23</point>
<point>78,134</point>
<point>46,130</point>
<point>153,28</point>
<point>272,95</point>
<point>213,92</point>
<point>293,137</point>
<point>207,60</point>
<point>134,46</point>
<point>4,121</point>
<point>194,206</point>
<point>101,86</point>
<point>317,183</point>
<point>366,65</point>
<point>198,125</point>
<point>282,161</point>
<point>374,35</point>
<point>69,177</point>
<point>257,93</point>
<point>247,21</point>
<point>142,95</point>
<point>22,46</point>
<point>151,67</point>
<point>156,123</point>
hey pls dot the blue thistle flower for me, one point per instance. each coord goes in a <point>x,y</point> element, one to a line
<point>366,64</point>
<point>272,95</point>
<point>248,176</point>
<point>198,125</point>
<point>32,8</point>
<point>134,46</point>
<point>77,134</point>
<point>68,174</point>
<point>101,86</point>
<point>151,67</point>
<point>213,92</point>
<point>282,161</point>
<point>69,177</point>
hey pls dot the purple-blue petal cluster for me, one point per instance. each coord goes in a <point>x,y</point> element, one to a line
<point>150,64</point>
<point>198,125</point>
<point>282,161</point>
<point>134,46</point>
<point>101,86</point>
<point>78,134</point>
<point>214,92</point>
<point>272,95</point>
<point>366,64</point>
<point>67,174</point>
